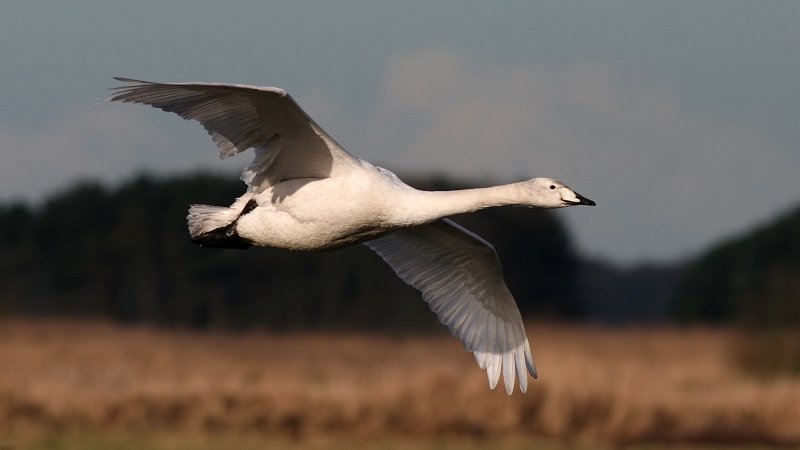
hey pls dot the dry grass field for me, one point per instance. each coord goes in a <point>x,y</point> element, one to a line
<point>599,388</point>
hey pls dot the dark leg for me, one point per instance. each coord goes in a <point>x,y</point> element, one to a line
<point>223,237</point>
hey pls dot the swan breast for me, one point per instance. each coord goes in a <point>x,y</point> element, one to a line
<point>320,213</point>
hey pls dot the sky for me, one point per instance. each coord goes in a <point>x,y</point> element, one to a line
<point>680,118</point>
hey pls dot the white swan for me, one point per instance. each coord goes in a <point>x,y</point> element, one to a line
<point>305,192</point>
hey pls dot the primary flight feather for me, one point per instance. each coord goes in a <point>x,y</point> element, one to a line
<point>305,192</point>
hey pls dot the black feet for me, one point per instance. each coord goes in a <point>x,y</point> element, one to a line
<point>223,237</point>
<point>249,206</point>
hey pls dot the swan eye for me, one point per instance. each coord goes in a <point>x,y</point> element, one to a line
<point>552,186</point>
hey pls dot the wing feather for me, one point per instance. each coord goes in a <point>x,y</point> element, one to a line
<point>460,278</point>
<point>287,142</point>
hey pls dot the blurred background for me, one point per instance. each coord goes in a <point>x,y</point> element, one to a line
<point>668,316</point>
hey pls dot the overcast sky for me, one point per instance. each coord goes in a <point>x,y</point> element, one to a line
<point>680,118</point>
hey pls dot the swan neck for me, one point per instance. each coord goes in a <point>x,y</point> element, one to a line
<point>428,206</point>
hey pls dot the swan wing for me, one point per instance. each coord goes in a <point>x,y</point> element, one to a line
<point>287,142</point>
<point>460,278</point>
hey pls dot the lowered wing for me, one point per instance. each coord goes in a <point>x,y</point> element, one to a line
<point>460,278</point>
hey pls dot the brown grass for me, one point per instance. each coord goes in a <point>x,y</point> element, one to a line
<point>597,385</point>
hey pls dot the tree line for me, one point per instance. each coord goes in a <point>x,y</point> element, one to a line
<point>124,253</point>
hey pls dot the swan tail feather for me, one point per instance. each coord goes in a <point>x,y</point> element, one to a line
<point>215,226</point>
<point>205,218</point>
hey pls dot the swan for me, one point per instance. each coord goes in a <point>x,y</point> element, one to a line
<point>307,193</point>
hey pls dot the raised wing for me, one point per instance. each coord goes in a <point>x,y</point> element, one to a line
<point>460,277</point>
<point>287,142</point>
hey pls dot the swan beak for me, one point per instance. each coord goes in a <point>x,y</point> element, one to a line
<point>581,200</point>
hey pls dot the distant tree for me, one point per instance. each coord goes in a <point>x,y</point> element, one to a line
<point>17,255</point>
<point>635,294</point>
<point>752,279</point>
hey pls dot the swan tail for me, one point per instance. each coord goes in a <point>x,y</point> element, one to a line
<point>205,218</point>
<point>215,226</point>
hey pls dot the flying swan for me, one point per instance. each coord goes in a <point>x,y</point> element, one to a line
<point>305,192</point>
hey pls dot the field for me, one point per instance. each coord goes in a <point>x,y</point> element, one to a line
<point>95,385</point>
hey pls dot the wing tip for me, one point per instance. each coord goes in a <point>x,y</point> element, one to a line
<point>529,361</point>
<point>495,366</point>
<point>119,92</point>
<point>517,362</point>
<point>129,81</point>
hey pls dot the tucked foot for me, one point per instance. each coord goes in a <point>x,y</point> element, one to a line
<point>223,237</point>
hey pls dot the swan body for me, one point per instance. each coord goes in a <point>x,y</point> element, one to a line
<point>306,193</point>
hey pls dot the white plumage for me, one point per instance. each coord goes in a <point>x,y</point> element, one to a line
<point>305,192</point>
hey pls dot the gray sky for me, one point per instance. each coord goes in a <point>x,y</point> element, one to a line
<point>680,118</point>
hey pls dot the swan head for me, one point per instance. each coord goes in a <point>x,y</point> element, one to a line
<point>550,193</point>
